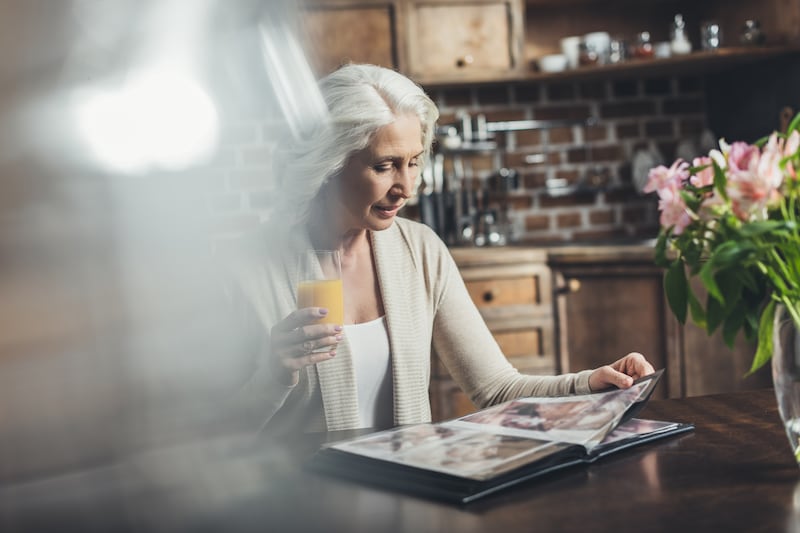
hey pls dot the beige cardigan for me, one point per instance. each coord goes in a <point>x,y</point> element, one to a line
<point>427,308</point>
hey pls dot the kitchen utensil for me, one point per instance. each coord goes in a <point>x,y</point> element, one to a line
<point>553,63</point>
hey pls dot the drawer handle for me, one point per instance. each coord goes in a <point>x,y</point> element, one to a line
<point>465,61</point>
<point>572,285</point>
<point>488,296</point>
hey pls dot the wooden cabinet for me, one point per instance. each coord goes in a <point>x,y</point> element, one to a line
<point>610,301</point>
<point>335,32</point>
<point>512,289</point>
<point>463,39</point>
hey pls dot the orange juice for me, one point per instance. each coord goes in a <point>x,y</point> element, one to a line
<point>323,293</point>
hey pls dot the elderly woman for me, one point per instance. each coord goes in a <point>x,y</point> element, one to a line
<point>404,297</point>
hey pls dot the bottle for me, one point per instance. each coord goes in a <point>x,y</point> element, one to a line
<point>752,34</point>
<point>680,43</point>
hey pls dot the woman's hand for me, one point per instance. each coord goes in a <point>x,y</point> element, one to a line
<point>620,373</point>
<point>294,339</point>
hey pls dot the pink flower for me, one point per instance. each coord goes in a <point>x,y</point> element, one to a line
<point>791,148</point>
<point>673,209</point>
<point>754,178</point>
<point>662,177</point>
<point>703,177</point>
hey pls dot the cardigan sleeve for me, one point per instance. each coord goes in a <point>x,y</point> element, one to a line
<point>467,348</point>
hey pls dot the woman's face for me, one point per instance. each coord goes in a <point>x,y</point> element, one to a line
<point>377,181</point>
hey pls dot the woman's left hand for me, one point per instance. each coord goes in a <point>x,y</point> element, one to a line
<point>620,373</point>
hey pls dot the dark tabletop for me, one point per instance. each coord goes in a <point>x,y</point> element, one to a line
<point>735,472</point>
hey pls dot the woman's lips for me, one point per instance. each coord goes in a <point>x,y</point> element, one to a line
<point>387,211</point>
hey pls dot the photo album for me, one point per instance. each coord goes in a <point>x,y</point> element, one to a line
<point>464,459</point>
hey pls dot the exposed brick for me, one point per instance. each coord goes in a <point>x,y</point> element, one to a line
<point>561,91</point>
<point>568,220</point>
<point>527,93</point>
<point>595,235</point>
<point>667,149</point>
<point>480,162</point>
<point>537,222</point>
<point>621,195</point>
<point>629,130</point>
<point>606,216</point>
<point>627,109</point>
<point>503,115</point>
<point>493,95</point>
<point>691,126</point>
<point>578,198</point>
<point>658,128</point>
<point>635,213</point>
<point>529,137</point>
<point>534,180</point>
<point>690,85</point>
<point>595,90</point>
<point>683,106</point>
<point>457,97</point>
<point>625,88</point>
<point>573,112</point>
<point>572,176</point>
<point>595,133</point>
<point>577,155</point>
<point>560,135</point>
<point>517,159</point>
<point>657,86</point>
<point>447,118</point>
<point>605,153</point>
<point>520,201</point>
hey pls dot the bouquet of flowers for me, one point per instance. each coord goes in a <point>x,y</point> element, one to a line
<point>731,219</point>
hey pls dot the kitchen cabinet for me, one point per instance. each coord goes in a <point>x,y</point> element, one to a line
<point>610,301</point>
<point>335,32</point>
<point>512,289</point>
<point>452,42</point>
<point>463,39</point>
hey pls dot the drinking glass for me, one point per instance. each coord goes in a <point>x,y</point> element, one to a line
<point>320,284</point>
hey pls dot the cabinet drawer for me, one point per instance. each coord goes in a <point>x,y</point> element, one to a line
<point>515,343</point>
<point>501,292</point>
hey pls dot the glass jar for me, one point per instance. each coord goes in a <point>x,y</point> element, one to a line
<point>752,34</point>
<point>643,49</point>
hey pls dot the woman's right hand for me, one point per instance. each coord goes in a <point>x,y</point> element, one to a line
<point>294,339</point>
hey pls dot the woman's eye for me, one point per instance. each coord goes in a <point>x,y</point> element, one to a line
<point>383,168</point>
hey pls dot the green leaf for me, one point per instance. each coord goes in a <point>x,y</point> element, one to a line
<point>677,287</point>
<point>754,229</point>
<point>707,277</point>
<point>794,124</point>
<point>661,249</point>
<point>715,314</point>
<point>765,329</point>
<point>731,326</point>
<point>720,181</point>
<point>698,314</point>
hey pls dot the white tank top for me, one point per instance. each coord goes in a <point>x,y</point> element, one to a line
<point>369,347</point>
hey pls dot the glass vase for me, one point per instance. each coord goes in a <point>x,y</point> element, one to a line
<point>786,375</point>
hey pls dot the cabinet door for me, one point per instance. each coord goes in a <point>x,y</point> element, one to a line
<point>607,311</point>
<point>463,38</point>
<point>335,34</point>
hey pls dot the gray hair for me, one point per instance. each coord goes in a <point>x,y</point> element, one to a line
<point>361,99</point>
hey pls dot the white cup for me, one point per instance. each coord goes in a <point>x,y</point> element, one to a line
<point>570,47</point>
<point>600,42</point>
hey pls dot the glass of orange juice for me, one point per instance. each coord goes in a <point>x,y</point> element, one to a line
<point>320,284</point>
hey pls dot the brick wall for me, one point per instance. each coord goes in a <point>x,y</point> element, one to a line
<point>600,202</point>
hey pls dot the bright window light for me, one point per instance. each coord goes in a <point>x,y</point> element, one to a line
<point>157,120</point>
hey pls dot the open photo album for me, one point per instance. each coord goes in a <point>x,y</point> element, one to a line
<point>463,459</point>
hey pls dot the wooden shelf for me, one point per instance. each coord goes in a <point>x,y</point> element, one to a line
<point>701,61</point>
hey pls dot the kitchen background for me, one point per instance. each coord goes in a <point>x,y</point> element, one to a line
<point>111,338</point>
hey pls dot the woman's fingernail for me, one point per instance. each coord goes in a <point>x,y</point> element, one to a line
<point>339,337</point>
<point>337,328</point>
<point>322,311</point>
<point>332,353</point>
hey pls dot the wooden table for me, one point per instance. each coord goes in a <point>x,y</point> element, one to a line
<point>735,472</point>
